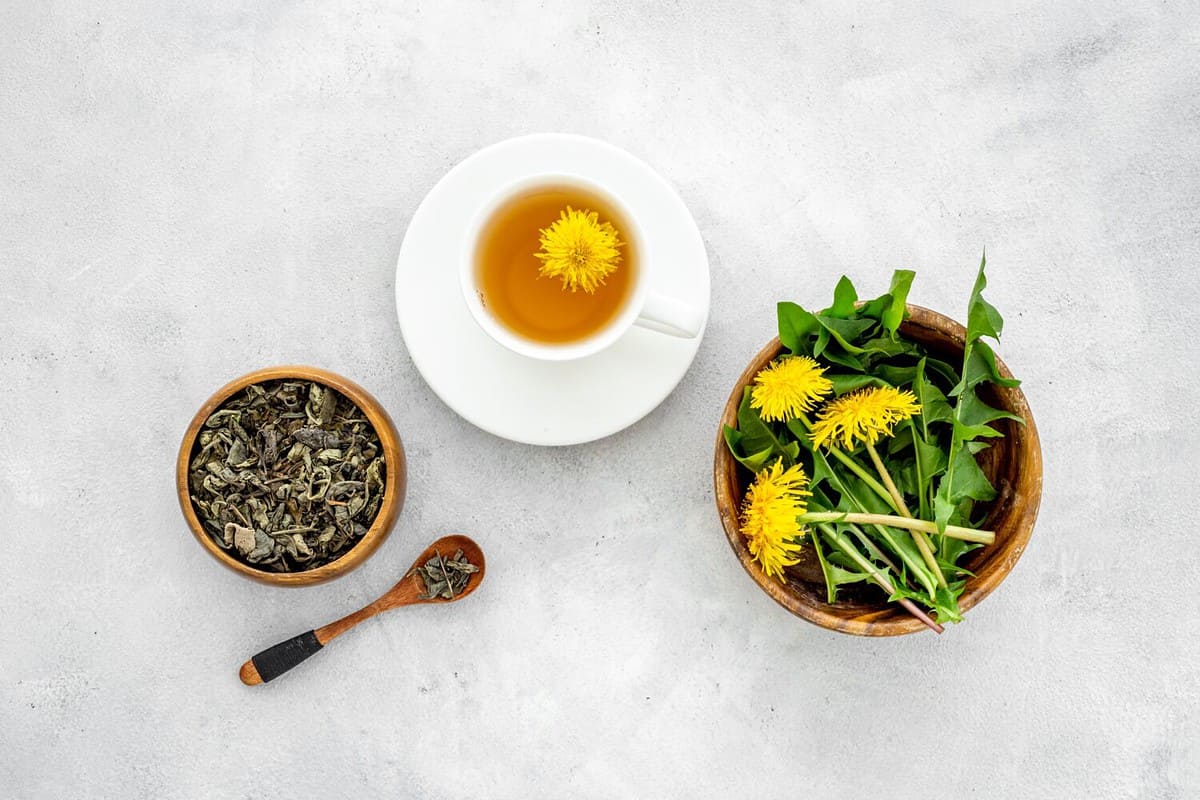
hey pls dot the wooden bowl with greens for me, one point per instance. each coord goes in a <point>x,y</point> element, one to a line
<point>861,480</point>
<point>291,475</point>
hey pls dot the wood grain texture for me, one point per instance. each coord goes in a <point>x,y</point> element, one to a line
<point>395,482</point>
<point>1014,465</point>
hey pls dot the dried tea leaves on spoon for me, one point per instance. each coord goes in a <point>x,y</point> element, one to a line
<point>445,577</point>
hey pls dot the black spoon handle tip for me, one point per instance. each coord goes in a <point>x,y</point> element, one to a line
<point>276,660</point>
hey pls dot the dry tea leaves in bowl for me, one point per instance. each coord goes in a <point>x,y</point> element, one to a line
<point>287,474</point>
<point>863,448</point>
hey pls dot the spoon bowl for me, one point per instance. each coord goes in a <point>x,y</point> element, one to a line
<point>409,589</point>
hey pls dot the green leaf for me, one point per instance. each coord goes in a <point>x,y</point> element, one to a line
<point>733,439</point>
<point>973,416</point>
<point>894,314</point>
<point>982,317</point>
<point>754,462</point>
<point>969,480</point>
<point>873,309</point>
<point>901,543</point>
<point>835,575</point>
<point>830,580</point>
<point>943,508</point>
<point>896,376</point>
<point>907,476</point>
<point>755,434</point>
<point>934,407</point>
<point>945,602</point>
<point>888,347</point>
<point>983,350</point>
<point>836,356</point>
<point>979,365</point>
<point>860,496</point>
<point>936,366</point>
<point>900,441</point>
<point>844,298</point>
<point>840,576</point>
<point>951,550</point>
<point>795,327</point>
<point>843,383</point>
<point>821,470</point>
<point>845,331</point>
<point>963,480</point>
<point>931,460</point>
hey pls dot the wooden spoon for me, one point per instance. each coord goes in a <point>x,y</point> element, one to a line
<point>274,661</point>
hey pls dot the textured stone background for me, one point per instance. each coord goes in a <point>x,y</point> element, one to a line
<point>192,190</point>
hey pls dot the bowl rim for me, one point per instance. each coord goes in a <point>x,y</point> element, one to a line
<point>395,482</point>
<point>885,620</point>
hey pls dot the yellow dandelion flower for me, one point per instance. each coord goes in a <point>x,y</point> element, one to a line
<point>788,387</point>
<point>769,512</point>
<point>863,416</point>
<point>580,250</point>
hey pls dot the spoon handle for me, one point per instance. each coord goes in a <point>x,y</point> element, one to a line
<point>276,660</point>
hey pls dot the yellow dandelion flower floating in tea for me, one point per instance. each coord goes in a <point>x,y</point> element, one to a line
<point>863,416</point>
<point>769,512</point>
<point>788,387</point>
<point>580,250</point>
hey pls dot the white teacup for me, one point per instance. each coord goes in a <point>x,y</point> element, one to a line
<point>641,307</point>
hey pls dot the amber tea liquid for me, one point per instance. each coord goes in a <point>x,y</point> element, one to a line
<point>539,308</point>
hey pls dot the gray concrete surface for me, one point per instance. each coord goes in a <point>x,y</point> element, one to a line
<point>192,190</point>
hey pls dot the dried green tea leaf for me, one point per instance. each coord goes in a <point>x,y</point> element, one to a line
<point>240,537</point>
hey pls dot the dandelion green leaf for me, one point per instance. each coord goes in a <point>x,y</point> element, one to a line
<point>893,315</point>
<point>795,326</point>
<point>931,460</point>
<point>989,356</point>
<point>963,480</point>
<point>979,365</point>
<point>844,298</point>
<point>982,317</point>
<point>754,462</point>
<point>845,331</point>
<point>934,407</point>
<point>843,383</point>
<point>846,360</point>
<point>974,413</point>
<point>896,376</point>
<point>887,347</point>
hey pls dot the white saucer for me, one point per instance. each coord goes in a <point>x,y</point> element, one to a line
<point>518,398</point>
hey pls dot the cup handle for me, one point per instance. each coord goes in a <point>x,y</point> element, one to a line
<point>670,316</point>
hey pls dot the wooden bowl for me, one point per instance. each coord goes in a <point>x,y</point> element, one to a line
<point>1014,465</point>
<point>394,482</point>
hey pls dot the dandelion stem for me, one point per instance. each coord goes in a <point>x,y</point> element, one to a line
<point>920,537</point>
<point>871,548</point>
<point>867,478</point>
<point>953,531</point>
<point>853,465</point>
<point>876,575</point>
